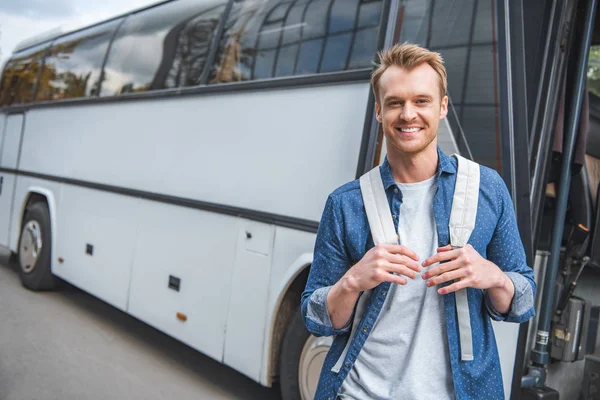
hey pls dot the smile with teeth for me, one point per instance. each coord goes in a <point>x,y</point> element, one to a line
<point>409,130</point>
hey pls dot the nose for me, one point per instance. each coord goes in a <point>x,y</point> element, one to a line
<point>408,112</point>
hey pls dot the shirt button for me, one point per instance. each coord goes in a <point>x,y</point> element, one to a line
<point>365,330</point>
<point>395,190</point>
<point>347,364</point>
<point>383,292</point>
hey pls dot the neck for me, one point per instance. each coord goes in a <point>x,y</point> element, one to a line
<point>410,168</point>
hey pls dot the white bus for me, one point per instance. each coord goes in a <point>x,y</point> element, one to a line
<point>174,161</point>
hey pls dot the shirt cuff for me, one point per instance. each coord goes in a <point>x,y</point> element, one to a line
<point>522,303</point>
<point>318,313</point>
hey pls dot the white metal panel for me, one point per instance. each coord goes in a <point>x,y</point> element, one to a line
<point>12,140</point>
<point>197,247</point>
<point>507,335</point>
<point>108,223</point>
<point>243,149</point>
<point>2,125</point>
<point>7,182</point>
<point>248,305</point>
<point>292,252</point>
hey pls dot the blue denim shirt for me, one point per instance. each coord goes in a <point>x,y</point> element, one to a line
<point>343,239</point>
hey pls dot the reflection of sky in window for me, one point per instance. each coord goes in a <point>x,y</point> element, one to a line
<point>480,83</point>
<point>369,14</point>
<point>483,28</point>
<point>363,50</point>
<point>455,62</point>
<point>293,24</point>
<point>315,19</point>
<point>308,61</point>
<point>336,53</point>
<point>343,15</point>
<point>452,23</point>
<point>137,56</point>
<point>415,22</point>
<point>286,61</point>
<point>263,67</point>
<point>269,36</point>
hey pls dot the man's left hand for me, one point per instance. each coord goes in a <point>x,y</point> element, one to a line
<point>466,267</point>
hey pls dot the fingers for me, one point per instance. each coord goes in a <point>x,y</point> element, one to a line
<point>448,247</point>
<point>456,286</point>
<point>400,269</point>
<point>400,249</point>
<point>396,279</point>
<point>448,276</point>
<point>403,260</point>
<point>442,268</point>
<point>445,255</point>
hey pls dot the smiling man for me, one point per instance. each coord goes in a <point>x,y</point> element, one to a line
<point>392,307</point>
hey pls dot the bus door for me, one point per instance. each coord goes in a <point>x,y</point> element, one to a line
<point>9,158</point>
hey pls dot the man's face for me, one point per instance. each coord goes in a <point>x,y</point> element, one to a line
<point>409,108</point>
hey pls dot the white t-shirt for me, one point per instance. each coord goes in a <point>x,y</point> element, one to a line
<point>406,355</point>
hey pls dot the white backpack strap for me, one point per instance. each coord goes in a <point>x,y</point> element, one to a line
<point>462,223</point>
<point>377,208</point>
<point>382,230</point>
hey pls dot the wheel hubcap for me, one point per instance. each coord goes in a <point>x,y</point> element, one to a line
<point>31,246</point>
<point>311,362</point>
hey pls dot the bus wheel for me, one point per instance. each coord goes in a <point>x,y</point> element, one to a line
<point>34,249</point>
<point>302,357</point>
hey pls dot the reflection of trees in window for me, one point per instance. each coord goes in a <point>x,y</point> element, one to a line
<point>272,38</point>
<point>163,47</point>
<point>72,67</point>
<point>20,75</point>
<point>464,33</point>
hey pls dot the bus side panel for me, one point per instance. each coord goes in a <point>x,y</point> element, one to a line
<point>507,335</point>
<point>243,149</point>
<point>96,240</point>
<point>292,252</point>
<point>11,139</point>
<point>248,304</point>
<point>183,264</point>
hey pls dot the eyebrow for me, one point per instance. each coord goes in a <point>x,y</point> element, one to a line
<point>418,96</point>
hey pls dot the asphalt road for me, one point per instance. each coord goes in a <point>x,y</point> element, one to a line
<point>69,345</point>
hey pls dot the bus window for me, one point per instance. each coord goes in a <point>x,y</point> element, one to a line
<point>72,67</point>
<point>161,48</point>
<point>20,75</point>
<point>464,33</point>
<point>272,38</point>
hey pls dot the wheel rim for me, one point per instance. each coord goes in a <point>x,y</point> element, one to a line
<point>311,362</point>
<point>31,246</point>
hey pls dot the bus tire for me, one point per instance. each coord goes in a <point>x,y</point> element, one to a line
<point>302,357</point>
<point>34,249</point>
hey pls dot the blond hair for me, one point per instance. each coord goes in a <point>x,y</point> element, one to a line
<point>409,56</point>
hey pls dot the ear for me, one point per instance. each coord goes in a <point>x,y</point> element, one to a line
<point>378,112</point>
<point>444,107</point>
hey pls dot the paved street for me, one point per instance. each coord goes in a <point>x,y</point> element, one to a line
<point>69,345</point>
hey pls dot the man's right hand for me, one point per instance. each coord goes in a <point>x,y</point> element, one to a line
<point>383,263</point>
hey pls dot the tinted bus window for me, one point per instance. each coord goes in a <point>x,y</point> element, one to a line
<point>72,67</point>
<point>464,32</point>
<point>20,75</point>
<point>273,38</point>
<point>163,47</point>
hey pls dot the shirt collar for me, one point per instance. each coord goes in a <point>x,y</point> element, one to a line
<point>445,164</point>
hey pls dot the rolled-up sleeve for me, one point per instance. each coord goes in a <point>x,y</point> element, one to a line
<point>330,263</point>
<point>507,252</point>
